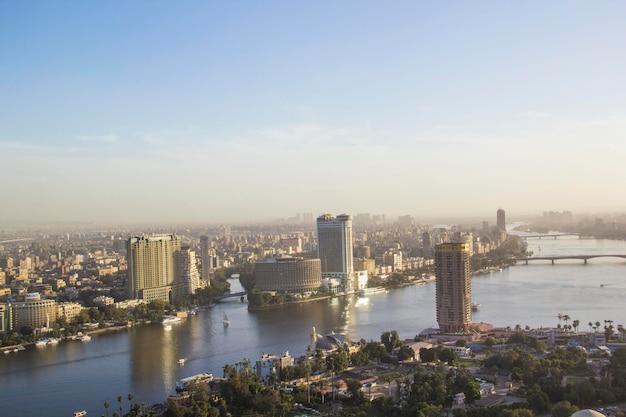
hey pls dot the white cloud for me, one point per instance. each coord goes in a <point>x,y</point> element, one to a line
<point>98,138</point>
<point>536,114</point>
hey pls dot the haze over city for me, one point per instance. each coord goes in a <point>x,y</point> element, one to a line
<point>229,111</point>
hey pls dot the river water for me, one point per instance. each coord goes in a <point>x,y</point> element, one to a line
<point>57,380</point>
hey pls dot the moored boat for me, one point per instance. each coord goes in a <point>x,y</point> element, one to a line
<point>80,413</point>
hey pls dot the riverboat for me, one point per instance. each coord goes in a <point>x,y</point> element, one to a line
<point>373,290</point>
<point>85,338</point>
<point>475,307</point>
<point>170,319</point>
<point>226,321</point>
<point>182,361</point>
<point>80,413</point>
<point>185,383</point>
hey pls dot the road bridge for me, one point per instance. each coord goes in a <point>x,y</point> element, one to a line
<point>554,235</point>
<point>230,295</point>
<point>585,258</point>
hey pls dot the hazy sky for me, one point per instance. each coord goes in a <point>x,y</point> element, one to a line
<point>216,111</point>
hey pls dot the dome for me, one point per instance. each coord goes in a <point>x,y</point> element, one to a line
<point>587,413</point>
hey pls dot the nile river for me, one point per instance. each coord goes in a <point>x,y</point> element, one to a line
<point>57,380</point>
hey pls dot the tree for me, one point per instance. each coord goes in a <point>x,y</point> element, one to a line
<point>119,399</point>
<point>354,390</point>
<point>563,409</point>
<point>390,340</point>
<point>130,401</point>
<point>406,353</point>
<point>106,406</point>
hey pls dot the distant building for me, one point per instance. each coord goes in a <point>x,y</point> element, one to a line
<point>205,257</point>
<point>501,219</point>
<point>335,243</point>
<point>154,267</point>
<point>453,287</point>
<point>288,274</point>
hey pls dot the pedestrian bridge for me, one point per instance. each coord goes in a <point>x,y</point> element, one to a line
<point>585,258</point>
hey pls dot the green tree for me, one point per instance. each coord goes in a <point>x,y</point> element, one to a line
<point>563,409</point>
<point>390,340</point>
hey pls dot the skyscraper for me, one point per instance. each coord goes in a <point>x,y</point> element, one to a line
<point>205,257</point>
<point>334,247</point>
<point>453,287</point>
<point>189,271</point>
<point>154,267</point>
<point>501,220</point>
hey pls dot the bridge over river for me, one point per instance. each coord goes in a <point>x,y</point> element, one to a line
<point>585,258</point>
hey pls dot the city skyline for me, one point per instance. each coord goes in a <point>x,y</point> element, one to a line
<point>224,113</point>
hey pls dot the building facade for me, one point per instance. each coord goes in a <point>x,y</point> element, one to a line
<point>501,219</point>
<point>35,314</point>
<point>453,287</point>
<point>189,270</point>
<point>205,257</point>
<point>334,248</point>
<point>288,274</point>
<point>154,267</point>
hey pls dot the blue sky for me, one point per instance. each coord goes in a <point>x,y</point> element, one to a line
<point>116,111</point>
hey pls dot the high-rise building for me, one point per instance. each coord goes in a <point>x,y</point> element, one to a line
<point>154,267</point>
<point>189,275</point>
<point>288,274</point>
<point>453,287</point>
<point>501,219</point>
<point>334,248</point>
<point>205,257</point>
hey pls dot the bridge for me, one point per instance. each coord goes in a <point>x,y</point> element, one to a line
<point>554,235</point>
<point>557,258</point>
<point>229,295</point>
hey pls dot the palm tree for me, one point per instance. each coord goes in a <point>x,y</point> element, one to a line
<point>130,401</point>
<point>576,323</point>
<point>590,325</point>
<point>567,318</point>
<point>106,405</point>
<point>597,325</point>
<point>119,399</point>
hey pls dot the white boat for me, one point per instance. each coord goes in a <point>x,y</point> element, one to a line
<point>53,341</point>
<point>80,413</point>
<point>170,319</point>
<point>167,327</point>
<point>182,361</point>
<point>85,338</point>
<point>226,321</point>
<point>475,306</point>
<point>185,383</point>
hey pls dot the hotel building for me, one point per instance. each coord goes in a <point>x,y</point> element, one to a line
<point>154,267</point>
<point>334,248</point>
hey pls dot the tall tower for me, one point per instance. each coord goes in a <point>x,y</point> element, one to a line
<point>189,270</point>
<point>501,220</point>
<point>205,257</point>
<point>453,287</point>
<point>334,247</point>
<point>154,267</point>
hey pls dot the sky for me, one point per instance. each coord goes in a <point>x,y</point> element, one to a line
<point>236,111</point>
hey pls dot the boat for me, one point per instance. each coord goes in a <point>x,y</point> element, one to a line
<point>475,306</point>
<point>182,361</point>
<point>170,319</point>
<point>185,383</point>
<point>226,321</point>
<point>41,342</point>
<point>80,413</point>
<point>85,338</point>
<point>167,327</point>
<point>20,347</point>
<point>53,340</point>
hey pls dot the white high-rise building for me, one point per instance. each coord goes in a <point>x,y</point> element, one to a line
<point>334,248</point>
<point>189,270</point>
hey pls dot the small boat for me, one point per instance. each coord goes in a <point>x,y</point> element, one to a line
<point>475,306</point>
<point>226,321</point>
<point>53,341</point>
<point>85,338</point>
<point>80,413</point>
<point>182,361</point>
<point>167,327</point>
